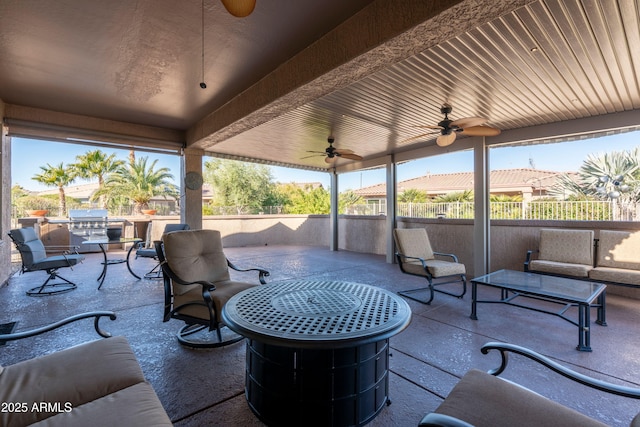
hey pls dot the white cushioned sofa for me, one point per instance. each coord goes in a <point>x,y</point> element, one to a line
<point>613,257</point>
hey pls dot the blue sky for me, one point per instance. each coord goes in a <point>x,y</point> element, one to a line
<point>28,155</point>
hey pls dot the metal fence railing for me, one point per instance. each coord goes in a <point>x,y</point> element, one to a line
<point>612,210</point>
<point>542,210</point>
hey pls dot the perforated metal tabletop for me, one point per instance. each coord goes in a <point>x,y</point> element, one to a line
<point>316,314</point>
<point>317,351</point>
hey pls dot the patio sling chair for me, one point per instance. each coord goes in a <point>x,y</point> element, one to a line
<point>149,250</point>
<point>34,258</point>
<point>197,284</point>
<point>416,257</point>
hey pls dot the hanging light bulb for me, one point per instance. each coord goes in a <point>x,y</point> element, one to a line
<point>239,8</point>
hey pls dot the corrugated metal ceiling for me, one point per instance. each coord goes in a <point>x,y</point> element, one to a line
<point>551,61</point>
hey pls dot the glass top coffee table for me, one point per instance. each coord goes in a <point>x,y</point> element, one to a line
<point>558,290</point>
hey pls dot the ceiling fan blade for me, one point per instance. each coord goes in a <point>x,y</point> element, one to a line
<point>467,122</point>
<point>481,131</point>
<point>444,140</point>
<point>330,159</point>
<point>351,156</point>
<point>342,151</point>
<point>414,138</point>
<point>429,127</point>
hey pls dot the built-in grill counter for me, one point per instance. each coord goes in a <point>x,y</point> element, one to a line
<point>88,224</point>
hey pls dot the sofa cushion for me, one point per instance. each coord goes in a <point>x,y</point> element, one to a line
<point>134,406</point>
<point>561,268</point>
<point>619,249</point>
<point>615,275</point>
<point>570,246</point>
<point>76,375</point>
<point>484,400</point>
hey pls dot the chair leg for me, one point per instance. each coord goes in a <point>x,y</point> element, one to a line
<point>432,289</point>
<point>154,273</point>
<point>47,289</point>
<point>223,336</point>
<point>408,294</point>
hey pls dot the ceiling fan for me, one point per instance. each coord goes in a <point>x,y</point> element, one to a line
<point>472,126</point>
<point>332,154</point>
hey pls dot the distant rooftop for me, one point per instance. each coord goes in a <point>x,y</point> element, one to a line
<point>504,181</point>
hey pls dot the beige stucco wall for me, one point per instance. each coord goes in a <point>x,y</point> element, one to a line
<point>260,230</point>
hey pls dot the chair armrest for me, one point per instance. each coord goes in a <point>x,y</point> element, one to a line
<point>66,248</point>
<point>455,258</point>
<point>528,259</point>
<point>505,348</point>
<point>440,420</point>
<point>56,325</point>
<point>402,258</point>
<point>261,272</point>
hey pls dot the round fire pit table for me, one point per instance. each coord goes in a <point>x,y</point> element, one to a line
<point>317,351</point>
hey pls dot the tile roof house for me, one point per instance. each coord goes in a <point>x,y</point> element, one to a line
<point>528,183</point>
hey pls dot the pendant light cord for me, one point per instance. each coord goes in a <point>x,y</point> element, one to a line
<point>203,85</point>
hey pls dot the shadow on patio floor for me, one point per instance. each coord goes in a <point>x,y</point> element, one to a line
<point>206,387</point>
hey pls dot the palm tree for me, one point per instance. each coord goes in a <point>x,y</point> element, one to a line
<point>462,196</point>
<point>412,195</point>
<point>625,164</point>
<point>57,176</point>
<point>139,183</point>
<point>96,164</point>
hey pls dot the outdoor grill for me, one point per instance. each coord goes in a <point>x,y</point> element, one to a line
<point>87,225</point>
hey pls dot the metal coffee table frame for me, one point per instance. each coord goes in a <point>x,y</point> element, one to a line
<point>558,290</point>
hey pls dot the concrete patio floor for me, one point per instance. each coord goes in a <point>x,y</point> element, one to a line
<point>206,387</point>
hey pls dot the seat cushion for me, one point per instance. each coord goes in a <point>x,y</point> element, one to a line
<point>77,375</point>
<point>57,261</point>
<point>439,268</point>
<point>566,246</point>
<point>615,275</point>
<point>487,401</point>
<point>224,291</point>
<point>134,406</point>
<point>562,268</point>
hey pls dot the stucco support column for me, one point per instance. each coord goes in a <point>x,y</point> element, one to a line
<point>481,229</point>
<point>5,200</point>
<point>333,216</point>
<point>191,199</point>
<point>391,207</point>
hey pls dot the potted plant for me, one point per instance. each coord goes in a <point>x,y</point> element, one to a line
<point>34,205</point>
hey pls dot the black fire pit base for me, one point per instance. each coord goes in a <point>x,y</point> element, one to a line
<point>319,387</point>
